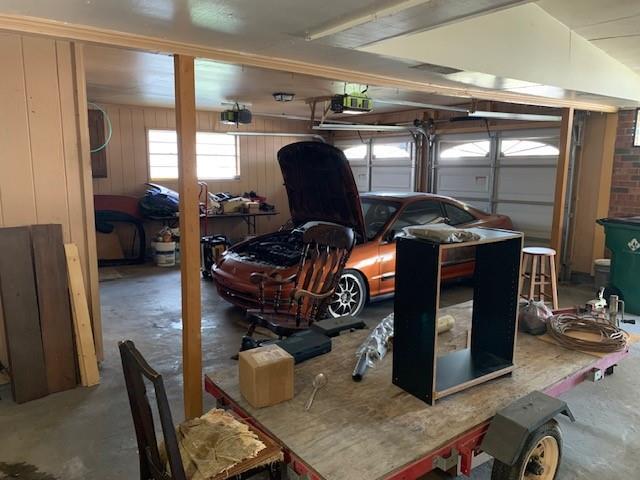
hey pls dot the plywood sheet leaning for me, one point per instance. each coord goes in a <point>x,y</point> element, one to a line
<point>87,360</point>
<point>56,324</point>
<point>20,311</point>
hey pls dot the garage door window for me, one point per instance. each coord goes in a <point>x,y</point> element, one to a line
<point>392,150</point>
<point>457,216</point>
<point>527,148</point>
<point>358,152</point>
<point>216,155</point>
<point>465,150</point>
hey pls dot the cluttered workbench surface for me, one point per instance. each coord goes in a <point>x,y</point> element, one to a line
<point>368,429</point>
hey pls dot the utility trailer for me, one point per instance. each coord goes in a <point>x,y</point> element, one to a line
<point>375,430</point>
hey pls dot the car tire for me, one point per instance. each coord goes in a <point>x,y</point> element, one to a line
<point>351,295</point>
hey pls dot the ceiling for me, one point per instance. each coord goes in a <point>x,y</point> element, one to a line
<point>281,28</point>
<point>524,42</point>
<point>138,78</point>
<point>612,25</point>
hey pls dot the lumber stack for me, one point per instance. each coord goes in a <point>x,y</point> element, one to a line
<point>46,332</point>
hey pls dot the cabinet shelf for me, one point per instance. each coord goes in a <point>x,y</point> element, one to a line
<point>416,367</point>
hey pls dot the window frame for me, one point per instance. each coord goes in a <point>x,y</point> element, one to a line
<point>161,179</point>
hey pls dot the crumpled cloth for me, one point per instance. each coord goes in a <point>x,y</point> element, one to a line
<point>442,233</point>
<point>214,443</point>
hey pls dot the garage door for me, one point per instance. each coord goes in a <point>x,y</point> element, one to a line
<point>512,173</point>
<point>382,164</point>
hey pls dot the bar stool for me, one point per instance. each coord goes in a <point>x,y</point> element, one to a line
<point>541,274</point>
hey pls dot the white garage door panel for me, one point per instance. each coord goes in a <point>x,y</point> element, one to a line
<point>391,179</point>
<point>512,173</point>
<point>361,176</point>
<point>526,184</point>
<point>546,161</point>
<point>533,220</point>
<point>464,182</point>
<point>382,164</point>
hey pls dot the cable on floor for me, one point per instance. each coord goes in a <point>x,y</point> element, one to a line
<point>612,338</point>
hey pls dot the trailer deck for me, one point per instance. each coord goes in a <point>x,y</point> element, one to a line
<point>375,430</point>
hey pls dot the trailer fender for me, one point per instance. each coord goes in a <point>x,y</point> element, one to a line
<point>511,426</point>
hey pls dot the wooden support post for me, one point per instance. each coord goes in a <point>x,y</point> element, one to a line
<point>562,173</point>
<point>604,184</point>
<point>189,235</point>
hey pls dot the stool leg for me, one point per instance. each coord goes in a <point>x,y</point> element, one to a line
<point>554,282</point>
<point>534,269</point>
<point>543,280</point>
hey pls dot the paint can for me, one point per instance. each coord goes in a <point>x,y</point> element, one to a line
<point>165,254</point>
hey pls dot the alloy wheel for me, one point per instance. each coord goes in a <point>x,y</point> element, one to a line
<point>349,296</point>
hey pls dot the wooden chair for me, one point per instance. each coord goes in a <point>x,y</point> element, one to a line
<point>300,299</point>
<point>542,273</point>
<point>135,369</point>
<point>152,467</point>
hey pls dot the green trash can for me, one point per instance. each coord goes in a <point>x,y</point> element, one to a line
<point>623,239</point>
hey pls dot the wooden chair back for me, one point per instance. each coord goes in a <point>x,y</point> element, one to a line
<point>325,250</point>
<point>136,369</point>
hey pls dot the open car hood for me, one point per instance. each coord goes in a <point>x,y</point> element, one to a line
<point>320,185</point>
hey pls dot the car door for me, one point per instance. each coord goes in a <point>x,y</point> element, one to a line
<point>415,213</point>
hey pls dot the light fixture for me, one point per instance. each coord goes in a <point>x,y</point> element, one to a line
<point>283,96</point>
<point>363,128</point>
<point>636,135</point>
<point>525,117</point>
<point>277,134</point>
<point>432,106</point>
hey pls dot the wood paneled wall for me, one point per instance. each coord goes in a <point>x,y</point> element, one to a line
<point>128,166</point>
<point>45,174</point>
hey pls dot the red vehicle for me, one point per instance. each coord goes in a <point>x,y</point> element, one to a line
<point>377,218</point>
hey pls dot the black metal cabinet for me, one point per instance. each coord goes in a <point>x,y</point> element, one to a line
<point>416,366</point>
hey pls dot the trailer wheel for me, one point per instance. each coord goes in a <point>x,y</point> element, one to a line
<point>539,460</point>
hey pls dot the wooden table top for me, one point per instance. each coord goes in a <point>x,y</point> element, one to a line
<point>366,430</point>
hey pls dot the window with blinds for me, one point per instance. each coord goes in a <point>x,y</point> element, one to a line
<point>216,155</point>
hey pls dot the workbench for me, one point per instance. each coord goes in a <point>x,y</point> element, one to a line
<point>249,218</point>
<point>375,430</point>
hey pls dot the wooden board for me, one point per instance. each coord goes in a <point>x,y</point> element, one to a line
<point>20,311</point>
<point>55,310</point>
<point>364,430</point>
<point>189,235</point>
<point>81,321</point>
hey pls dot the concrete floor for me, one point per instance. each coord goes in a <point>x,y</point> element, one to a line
<point>88,433</point>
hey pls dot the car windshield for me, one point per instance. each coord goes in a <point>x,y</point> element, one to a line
<point>376,214</point>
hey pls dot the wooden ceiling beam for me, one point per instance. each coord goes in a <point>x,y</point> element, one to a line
<point>41,26</point>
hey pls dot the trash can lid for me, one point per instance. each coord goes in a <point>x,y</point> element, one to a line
<point>602,262</point>
<point>633,221</point>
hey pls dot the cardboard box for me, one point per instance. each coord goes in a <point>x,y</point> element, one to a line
<point>266,375</point>
<point>252,207</point>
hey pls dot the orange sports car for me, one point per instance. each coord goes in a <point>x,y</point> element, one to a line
<point>370,271</point>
